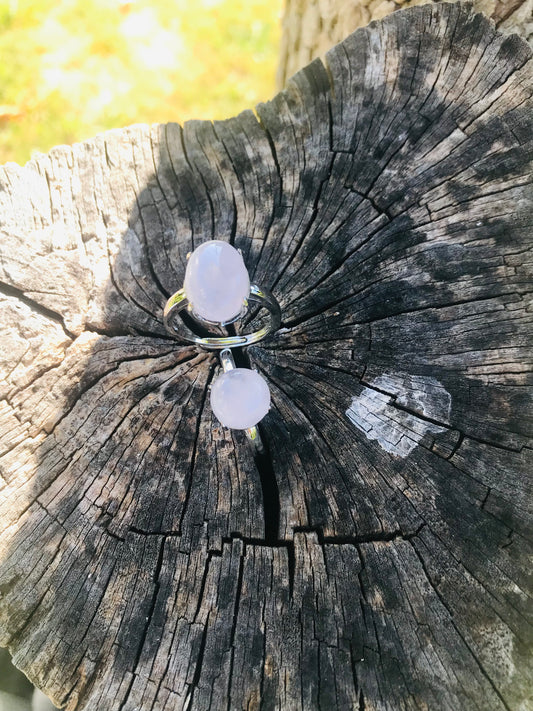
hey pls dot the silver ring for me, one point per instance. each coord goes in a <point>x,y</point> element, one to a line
<point>178,303</point>
<point>217,287</point>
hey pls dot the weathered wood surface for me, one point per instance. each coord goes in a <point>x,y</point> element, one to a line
<point>311,27</point>
<point>377,556</point>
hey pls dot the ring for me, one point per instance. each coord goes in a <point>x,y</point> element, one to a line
<point>240,398</point>
<point>216,293</point>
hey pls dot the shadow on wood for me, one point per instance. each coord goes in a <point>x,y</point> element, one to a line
<point>377,557</point>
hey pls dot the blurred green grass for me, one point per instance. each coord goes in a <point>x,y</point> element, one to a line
<point>72,68</point>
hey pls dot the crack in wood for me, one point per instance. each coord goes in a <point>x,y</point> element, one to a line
<point>87,387</point>
<point>129,298</point>
<point>485,498</point>
<point>269,487</point>
<point>446,606</point>
<point>278,197</point>
<point>17,293</point>
<point>151,608</point>
<point>356,540</point>
<point>377,208</point>
<point>199,663</point>
<point>238,593</point>
<point>144,241</point>
<point>195,445</point>
<point>196,170</point>
<point>305,230</point>
<point>264,464</point>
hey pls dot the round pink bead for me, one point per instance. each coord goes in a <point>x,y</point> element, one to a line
<point>240,398</point>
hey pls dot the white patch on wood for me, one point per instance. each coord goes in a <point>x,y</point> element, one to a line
<point>398,432</point>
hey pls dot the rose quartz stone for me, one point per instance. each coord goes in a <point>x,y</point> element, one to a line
<point>240,398</point>
<point>216,281</point>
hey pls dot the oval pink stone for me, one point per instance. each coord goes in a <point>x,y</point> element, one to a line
<point>240,398</point>
<point>216,281</point>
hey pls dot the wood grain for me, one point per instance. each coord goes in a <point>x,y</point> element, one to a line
<point>376,556</point>
<point>311,27</point>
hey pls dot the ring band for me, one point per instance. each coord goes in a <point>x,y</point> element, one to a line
<point>178,302</point>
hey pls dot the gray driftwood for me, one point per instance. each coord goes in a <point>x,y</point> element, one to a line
<point>376,557</point>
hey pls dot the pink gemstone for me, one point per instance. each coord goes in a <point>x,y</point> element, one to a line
<point>240,398</point>
<point>216,281</point>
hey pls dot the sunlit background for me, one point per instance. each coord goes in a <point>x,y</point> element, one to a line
<point>72,68</point>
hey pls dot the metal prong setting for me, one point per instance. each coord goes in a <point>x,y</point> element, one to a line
<point>179,302</point>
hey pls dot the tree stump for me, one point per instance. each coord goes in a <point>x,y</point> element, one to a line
<point>376,556</point>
